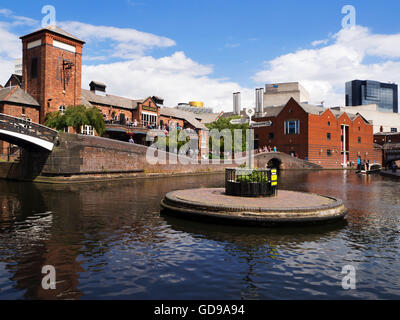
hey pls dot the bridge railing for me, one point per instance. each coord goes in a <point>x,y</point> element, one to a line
<point>23,126</point>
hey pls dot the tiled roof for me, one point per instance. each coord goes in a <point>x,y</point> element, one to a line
<point>18,96</point>
<point>56,30</point>
<point>184,115</point>
<point>17,77</point>
<point>109,100</point>
<point>206,118</point>
<point>312,109</point>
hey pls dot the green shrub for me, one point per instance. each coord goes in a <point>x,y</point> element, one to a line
<point>76,117</point>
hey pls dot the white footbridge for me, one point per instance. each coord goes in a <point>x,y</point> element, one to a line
<point>24,133</point>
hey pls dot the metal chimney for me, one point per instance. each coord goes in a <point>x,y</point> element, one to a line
<point>236,103</point>
<point>259,101</point>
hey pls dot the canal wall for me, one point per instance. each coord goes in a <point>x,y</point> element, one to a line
<point>78,155</point>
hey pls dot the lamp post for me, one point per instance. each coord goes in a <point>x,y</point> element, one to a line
<point>250,112</point>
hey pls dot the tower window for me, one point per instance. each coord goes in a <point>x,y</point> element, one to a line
<point>61,109</point>
<point>34,68</point>
<point>328,136</point>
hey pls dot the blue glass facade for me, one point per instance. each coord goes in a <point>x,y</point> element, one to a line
<point>385,95</point>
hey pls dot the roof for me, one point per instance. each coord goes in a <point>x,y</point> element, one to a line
<point>386,133</point>
<point>273,111</point>
<point>184,115</point>
<point>206,118</point>
<point>17,96</point>
<point>17,77</point>
<point>312,109</point>
<point>56,30</point>
<point>109,100</point>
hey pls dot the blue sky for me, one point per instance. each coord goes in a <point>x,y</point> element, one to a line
<point>230,42</point>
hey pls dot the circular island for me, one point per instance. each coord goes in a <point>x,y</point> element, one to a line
<point>277,209</point>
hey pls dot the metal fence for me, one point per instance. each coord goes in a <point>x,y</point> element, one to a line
<point>23,126</point>
<point>251,182</point>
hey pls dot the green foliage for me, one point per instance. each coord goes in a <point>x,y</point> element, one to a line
<point>96,120</point>
<point>56,120</point>
<point>76,117</point>
<point>222,124</point>
<point>170,145</point>
<point>255,176</point>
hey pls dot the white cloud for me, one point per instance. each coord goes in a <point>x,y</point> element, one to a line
<point>10,49</point>
<point>125,42</point>
<point>316,43</point>
<point>323,71</point>
<point>176,78</point>
<point>17,20</point>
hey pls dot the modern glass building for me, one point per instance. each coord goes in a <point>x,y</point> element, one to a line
<point>363,92</point>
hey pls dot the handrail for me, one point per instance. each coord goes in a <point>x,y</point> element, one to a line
<point>26,127</point>
<point>24,120</point>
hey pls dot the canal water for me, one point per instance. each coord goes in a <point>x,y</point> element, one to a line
<point>109,241</point>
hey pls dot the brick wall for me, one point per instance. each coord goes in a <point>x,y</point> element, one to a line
<point>287,143</point>
<point>49,84</point>
<point>312,142</point>
<point>17,111</point>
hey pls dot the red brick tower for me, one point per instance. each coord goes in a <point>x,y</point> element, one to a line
<point>52,67</point>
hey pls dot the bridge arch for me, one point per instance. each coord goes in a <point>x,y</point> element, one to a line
<point>274,163</point>
<point>26,134</point>
<point>280,161</point>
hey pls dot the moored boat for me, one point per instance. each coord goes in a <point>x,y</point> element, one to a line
<point>372,168</point>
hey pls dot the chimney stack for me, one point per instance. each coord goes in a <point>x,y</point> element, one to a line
<point>98,88</point>
<point>259,102</point>
<point>236,103</point>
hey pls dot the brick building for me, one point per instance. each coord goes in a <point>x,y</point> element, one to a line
<point>16,102</point>
<point>323,136</point>
<point>51,81</point>
<point>52,67</point>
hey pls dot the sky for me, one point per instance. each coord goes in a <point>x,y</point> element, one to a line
<point>192,50</point>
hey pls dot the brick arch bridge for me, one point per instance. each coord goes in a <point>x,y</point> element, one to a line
<point>281,160</point>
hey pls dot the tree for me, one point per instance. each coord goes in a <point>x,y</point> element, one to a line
<point>224,123</point>
<point>76,117</point>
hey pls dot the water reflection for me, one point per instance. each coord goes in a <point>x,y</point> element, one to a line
<point>108,240</point>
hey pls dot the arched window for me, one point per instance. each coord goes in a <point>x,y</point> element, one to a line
<point>61,109</point>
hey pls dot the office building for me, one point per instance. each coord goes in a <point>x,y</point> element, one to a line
<point>365,92</point>
<point>278,94</point>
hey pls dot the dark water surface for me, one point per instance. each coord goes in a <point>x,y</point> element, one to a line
<point>109,241</point>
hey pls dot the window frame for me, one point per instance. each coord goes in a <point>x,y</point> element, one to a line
<point>287,127</point>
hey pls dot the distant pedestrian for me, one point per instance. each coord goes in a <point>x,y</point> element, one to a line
<point>275,150</point>
<point>131,140</point>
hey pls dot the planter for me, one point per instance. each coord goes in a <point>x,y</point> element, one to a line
<point>250,183</point>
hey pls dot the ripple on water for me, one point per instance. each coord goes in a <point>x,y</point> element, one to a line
<point>109,241</point>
